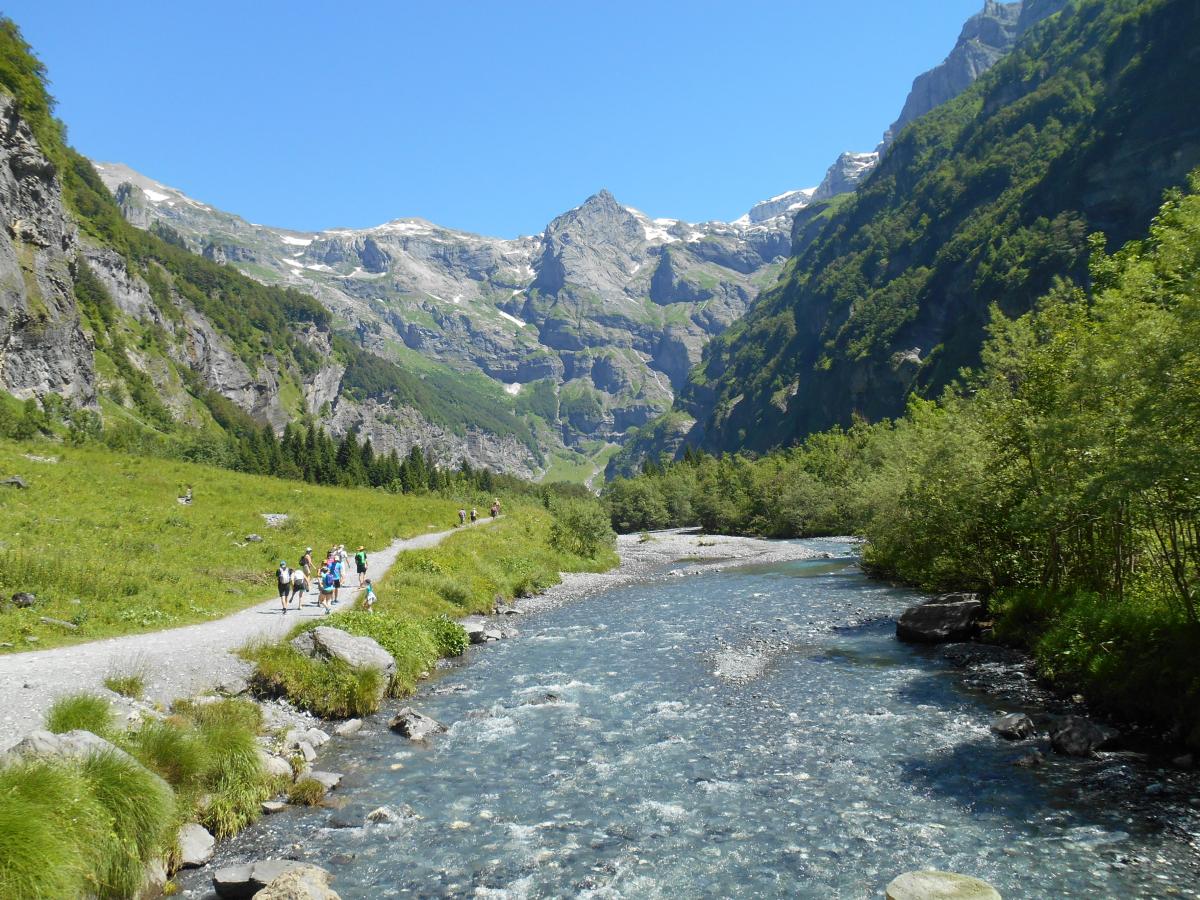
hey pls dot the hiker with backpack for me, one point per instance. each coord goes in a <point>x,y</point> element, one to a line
<point>360,565</point>
<point>299,588</point>
<point>327,589</point>
<point>335,571</point>
<point>284,578</point>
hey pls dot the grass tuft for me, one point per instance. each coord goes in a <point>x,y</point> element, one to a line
<point>88,712</point>
<point>306,792</point>
<point>130,684</point>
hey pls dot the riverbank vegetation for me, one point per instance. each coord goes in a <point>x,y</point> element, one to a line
<point>425,591</point>
<point>90,827</point>
<point>1062,479</point>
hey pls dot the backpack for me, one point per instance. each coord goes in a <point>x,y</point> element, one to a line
<point>328,580</point>
<point>284,576</point>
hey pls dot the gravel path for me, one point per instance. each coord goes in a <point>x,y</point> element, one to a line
<point>179,662</point>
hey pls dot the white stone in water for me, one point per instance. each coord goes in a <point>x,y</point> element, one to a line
<point>933,885</point>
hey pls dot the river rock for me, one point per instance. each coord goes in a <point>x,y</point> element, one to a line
<point>1014,726</point>
<point>195,846</point>
<point>356,652</point>
<point>303,882</point>
<point>414,725</point>
<point>245,881</point>
<point>1183,762</point>
<point>305,749</point>
<point>349,727</point>
<point>270,807</point>
<point>390,815</point>
<point>476,629</point>
<point>1076,736</point>
<point>329,780</point>
<point>275,766</point>
<point>949,617</point>
<point>317,737</point>
<point>934,885</point>
<point>23,599</point>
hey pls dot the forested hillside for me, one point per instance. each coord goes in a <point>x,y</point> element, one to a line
<point>1062,480</point>
<point>986,199</point>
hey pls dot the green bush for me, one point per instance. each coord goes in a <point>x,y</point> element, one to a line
<point>449,637</point>
<point>327,688</point>
<point>87,712</point>
<point>581,528</point>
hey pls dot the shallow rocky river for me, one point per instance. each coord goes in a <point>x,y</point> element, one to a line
<point>752,731</point>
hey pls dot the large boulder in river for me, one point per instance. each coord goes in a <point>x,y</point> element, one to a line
<point>414,725</point>
<point>355,651</point>
<point>195,846</point>
<point>1076,736</point>
<point>949,617</point>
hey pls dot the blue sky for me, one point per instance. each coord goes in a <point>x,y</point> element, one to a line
<point>487,116</point>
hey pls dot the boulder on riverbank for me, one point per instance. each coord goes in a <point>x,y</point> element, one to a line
<point>196,846</point>
<point>948,617</point>
<point>245,881</point>
<point>355,651</point>
<point>414,725</point>
<point>1014,727</point>
<point>304,882</point>
<point>1076,736</point>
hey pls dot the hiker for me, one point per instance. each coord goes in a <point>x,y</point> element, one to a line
<point>327,589</point>
<point>474,515</point>
<point>495,509</point>
<point>284,577</point>
<point>369,597</point>
<point>306,563</point>
<point>462,517</point>
<point>360,565</point>
<point>335,570</point>
<point>299,588</point>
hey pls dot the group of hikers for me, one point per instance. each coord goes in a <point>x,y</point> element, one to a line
<point>462,513</point>
<point>328,580</point>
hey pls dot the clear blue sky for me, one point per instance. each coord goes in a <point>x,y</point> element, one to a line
<point>488,116</point>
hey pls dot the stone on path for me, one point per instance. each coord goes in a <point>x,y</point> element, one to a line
<point>245,881</point>
<point>195,846</point>
<point>414,725</point>
<point>304,882</point>
<point>949,617</point>
<point>1014,726</point>
<point>934,885</point>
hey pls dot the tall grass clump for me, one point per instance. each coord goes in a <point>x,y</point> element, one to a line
<point>86,712</point>
<point>53,831</point>
<point>141,808</point>
<point>127,684</point>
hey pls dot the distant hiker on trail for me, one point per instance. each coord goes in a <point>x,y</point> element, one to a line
<point>360,565</point>
<point>299,587</point>
<point>327,589</point>
<point>474,515</point>
<point>284,577</point>
<point>462,517</point>
<point>336,572</point>
<point>495,509</point>
<point>369,597</point>
<point>306,563</point>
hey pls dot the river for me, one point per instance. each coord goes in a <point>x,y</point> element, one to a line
<point>753,731</point>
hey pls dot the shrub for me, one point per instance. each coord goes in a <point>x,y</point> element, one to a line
<point>327,688</point>
<point>88,712</point>
<point>581,528</point>
<point>449,637</point>
<point>306,792</point>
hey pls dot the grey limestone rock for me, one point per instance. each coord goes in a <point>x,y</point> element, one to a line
<point>414,725</point>
<point>23,599</point>
<point>195,846</point>
<point>244,881</point>
<point>948,617</point>
<point>302,882</point>
<point>328,780</point>
<point>349,727</point>
<point>355,651</point>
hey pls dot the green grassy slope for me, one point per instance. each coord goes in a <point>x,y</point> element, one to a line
<point>101,541</point>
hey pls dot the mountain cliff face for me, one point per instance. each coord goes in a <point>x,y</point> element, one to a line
<point>984,200</point>
<point>607,307</point>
